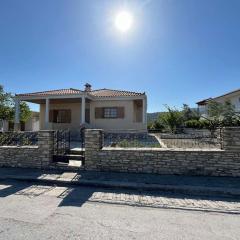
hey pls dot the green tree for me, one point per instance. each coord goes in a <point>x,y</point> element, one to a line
<point>220,114</point>
<point>172,119</point>
<point>215,109</point>
<point>228,114</point>
<point>189,114</point>
<point>5,104</point>
<point>7,108</point>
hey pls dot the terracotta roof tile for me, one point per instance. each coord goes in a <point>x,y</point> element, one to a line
<point>68,91</point>
<point>95,93</point>
<point>114,93</point>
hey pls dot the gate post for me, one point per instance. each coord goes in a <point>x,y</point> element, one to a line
<point>231,139</point>
<point>93,144</point>
<point>45,144</point>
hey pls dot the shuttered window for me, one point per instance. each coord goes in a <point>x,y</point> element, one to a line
<point>109,112</point>
<point>60,116</point>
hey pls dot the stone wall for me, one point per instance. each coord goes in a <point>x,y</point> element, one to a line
<point>224,162</point>
<point>231,139</point>
<point>39,156</point>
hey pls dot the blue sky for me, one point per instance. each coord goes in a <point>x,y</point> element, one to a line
<point>178,51</point>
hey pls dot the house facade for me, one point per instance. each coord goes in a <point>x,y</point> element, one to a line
<point>232,97</point>
<point>111,110</point>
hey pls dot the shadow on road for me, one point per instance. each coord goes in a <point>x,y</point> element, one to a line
<point>77,196</point>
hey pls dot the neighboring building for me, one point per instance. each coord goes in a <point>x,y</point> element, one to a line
<point>232,97</point>
<point>111,110</point>
<point>32,124</point>
<point>3,125</point>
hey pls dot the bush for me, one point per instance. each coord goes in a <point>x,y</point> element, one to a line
<point>194,124</point>
<point>172,119</point>
<point>156,125</point>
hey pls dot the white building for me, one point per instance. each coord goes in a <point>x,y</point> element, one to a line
<point>232,97</point>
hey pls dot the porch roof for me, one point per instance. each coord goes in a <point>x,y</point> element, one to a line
<point>69,91</point>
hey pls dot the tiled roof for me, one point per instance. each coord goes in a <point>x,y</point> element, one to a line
<point>114,93</point>
<point>204,101</point>
<point>95,93</point>
<point>68,91</point>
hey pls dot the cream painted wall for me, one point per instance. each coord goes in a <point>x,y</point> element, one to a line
<point>127,123</point>
<point>75,118</point>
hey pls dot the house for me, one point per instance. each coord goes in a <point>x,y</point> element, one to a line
<point>111,110</point>
<point>233,97</point>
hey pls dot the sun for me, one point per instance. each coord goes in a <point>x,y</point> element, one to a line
<point>124,21</point>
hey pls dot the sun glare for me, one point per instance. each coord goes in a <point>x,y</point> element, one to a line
<point>123,21</point>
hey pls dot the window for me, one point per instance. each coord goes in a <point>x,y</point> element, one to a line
<point>109,112</point>
<point>60,116</point>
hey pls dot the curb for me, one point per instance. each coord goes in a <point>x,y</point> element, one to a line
<point>184,189</point>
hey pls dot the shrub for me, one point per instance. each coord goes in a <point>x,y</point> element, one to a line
<point>171,120</point>
<point>194,124</point>
<point>155,125</point>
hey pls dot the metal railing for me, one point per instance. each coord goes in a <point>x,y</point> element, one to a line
<point>197,141</point>
<point>18,138</point>
<point>130,140</point>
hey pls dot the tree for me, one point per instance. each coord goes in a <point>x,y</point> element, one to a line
<point>220,114</point>
<point>215,109</point>
<point>228,113</point>
<point>6,104</point>
<point>7,108</point>
<point>172,119</point>
<point>189,114</point>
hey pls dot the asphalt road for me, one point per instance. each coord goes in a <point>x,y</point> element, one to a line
<point>47,212</point>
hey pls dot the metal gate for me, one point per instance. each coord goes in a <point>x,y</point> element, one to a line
<point>69,145</point>
<point>61,145</point>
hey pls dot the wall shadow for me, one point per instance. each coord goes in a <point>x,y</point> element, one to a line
<point>76,196</point>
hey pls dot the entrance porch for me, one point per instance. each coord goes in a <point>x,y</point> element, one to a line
<point>58,112</point>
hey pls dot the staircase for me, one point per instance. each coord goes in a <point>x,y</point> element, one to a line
<point>74,160</point>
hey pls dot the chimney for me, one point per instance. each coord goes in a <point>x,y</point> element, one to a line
<point>88,87</point>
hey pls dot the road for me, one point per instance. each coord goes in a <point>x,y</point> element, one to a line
<point>29,211</point>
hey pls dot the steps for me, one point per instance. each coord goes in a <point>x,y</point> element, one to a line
<point>76,157</point>
<point>73,160</point>
<point>71,166</point>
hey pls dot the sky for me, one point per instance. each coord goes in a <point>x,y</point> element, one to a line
<point>177,51</point>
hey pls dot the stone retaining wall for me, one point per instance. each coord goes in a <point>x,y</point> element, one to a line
<point>39,156</point>
<point>224,162</point>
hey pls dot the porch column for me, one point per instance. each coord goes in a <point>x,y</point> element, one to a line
<point>17,115</point>
<point>144,111</point>
<point>47,114</point>
<point>83,110</point>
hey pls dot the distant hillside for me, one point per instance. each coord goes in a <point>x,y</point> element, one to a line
<point>152,116</point>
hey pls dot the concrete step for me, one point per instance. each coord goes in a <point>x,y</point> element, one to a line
<point>79,157</point>
<point>76,152</point>
<point>65,166</point>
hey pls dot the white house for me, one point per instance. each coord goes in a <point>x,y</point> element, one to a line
<point>233,97</point>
